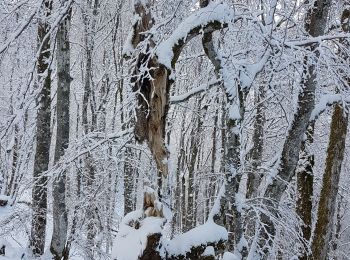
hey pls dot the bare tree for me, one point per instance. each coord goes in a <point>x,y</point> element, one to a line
<point>316,21</point>
<point>60,216</point>
<point>43,134</point>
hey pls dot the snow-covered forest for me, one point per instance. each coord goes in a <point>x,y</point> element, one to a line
<point>174,129</point>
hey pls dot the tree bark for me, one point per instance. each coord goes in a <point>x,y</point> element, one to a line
<point>43,135</point>
<point>230,217</point>
<point>152,92</point>
<point>329,191</point>
<point>189,215</point>
<point>91,11</point>
<point>331,176</point>
<point>316,21</point>
<point>305,182</point>
<point>128,181</point>
<point>255,154</point>
<point>60,222</point>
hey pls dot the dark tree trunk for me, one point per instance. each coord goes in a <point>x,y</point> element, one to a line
<point>334,160</point>
<point>43,135</point>
<point>255,174</point>
<point>305,182</point>
<point>329,191</point>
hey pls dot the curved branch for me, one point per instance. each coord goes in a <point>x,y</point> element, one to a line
<point>206,20</point>
<point>186,96</point>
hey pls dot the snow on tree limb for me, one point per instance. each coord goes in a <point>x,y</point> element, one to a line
<point>208,19</point>
<point>186,96</point>
<point>326,101</point>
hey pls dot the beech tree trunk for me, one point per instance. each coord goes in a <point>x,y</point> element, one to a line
<point>43,135</point>
<point>60,221</point>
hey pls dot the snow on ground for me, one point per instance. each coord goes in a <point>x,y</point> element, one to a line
<point>229,256</point>
<point>13,230</point>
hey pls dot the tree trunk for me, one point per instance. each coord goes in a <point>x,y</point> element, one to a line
<point>189,216</point>
<point>316,21</point>
<point>305,182</point>
<point>60,222</point>
<point>255,154</point>
<point>89,25</point>
<point>129,200</point>
<point>234,220</point>
<point>331,176</point>
<point>179,190</point>
<point>151,84</point>
<point>329,191</point>
<point>43,136</point>
<point>231,216</point>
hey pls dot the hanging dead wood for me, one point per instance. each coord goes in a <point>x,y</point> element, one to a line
<point>151,78</point>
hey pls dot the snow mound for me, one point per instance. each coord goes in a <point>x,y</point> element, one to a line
<point>204,234</point>
<point>132,236</point>
<point>229,256</point>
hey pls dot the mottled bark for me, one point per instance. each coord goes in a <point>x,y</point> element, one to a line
<point>233,219</point>
<point>330,184</point>
<point>255,174</point>
<point>305,181</point>
<point>129,199</point>
<point>43,135</point>
<point>335,155</point>
<point>60,221</point>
